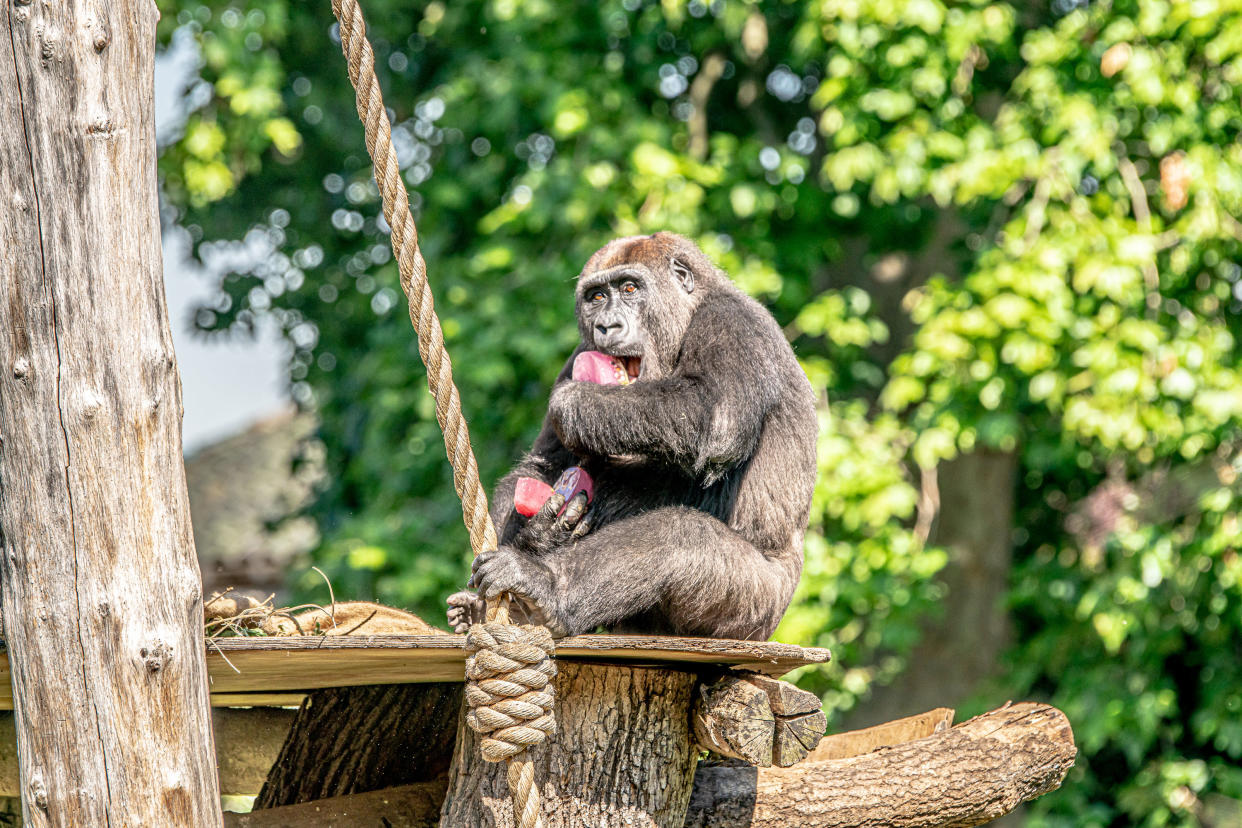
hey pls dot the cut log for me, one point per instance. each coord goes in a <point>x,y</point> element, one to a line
<point>733,718</point>
<point>760,720</point>
<point>622,755</point>
<point>800,719</point>
<point>356,739</point>
<point>99,586</point>
<point>963,776</point>
<point>956,778</point>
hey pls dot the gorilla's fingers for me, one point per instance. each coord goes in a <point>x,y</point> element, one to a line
<point>477,566</point>
<point>546,515</point>
<point>461,599</point>
<point>583,527</point>
<point>573,512</point>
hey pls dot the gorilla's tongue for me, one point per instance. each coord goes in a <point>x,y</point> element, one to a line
<point>602,369</point>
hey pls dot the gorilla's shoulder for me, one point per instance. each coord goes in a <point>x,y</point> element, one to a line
<point>729,314</point>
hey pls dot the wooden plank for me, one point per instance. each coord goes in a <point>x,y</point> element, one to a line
<point>277,700</point>
<point>897,732</point>
<point>276,667</point>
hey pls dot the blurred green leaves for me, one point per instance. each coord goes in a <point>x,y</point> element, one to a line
<point>981,224</point>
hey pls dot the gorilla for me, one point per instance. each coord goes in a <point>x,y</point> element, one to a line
<point>703,465</point>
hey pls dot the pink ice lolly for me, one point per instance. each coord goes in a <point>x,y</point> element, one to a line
<point>601,369</point>
<point>530,494</point>
<point>572,481</point>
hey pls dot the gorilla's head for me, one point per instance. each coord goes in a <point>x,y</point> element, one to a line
<point>636,295</point>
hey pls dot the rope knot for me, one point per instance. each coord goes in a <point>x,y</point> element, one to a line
<point>509,672</point>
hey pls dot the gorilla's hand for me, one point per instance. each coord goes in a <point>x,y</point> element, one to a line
<point>465,608</point>
<point>546,530</point>
<point>510,570</point>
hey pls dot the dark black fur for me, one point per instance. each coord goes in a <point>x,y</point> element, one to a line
<point>703,467</point>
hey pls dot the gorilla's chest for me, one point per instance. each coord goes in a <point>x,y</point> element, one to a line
<point>623,489</point>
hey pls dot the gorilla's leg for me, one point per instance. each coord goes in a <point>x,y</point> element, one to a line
<point>685,569</point>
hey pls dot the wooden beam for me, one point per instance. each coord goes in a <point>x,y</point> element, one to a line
<point>960,777</point>
<point>99,586</point>
<point>409,806</point>
<point>247,743</point>
<point>272,668</point>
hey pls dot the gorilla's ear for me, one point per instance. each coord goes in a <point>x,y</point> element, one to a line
<point>685,276</point>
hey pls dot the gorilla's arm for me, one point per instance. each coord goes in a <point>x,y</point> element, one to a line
<point>679,570</point>
<point>705,417</point>
<point>545,461</point>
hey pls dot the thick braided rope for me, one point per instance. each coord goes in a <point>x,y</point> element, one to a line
<point>509,673</point>
<point>413,272</point>
<point>514,704</point>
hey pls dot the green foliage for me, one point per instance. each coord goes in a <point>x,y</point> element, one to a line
<point>1062,182</point>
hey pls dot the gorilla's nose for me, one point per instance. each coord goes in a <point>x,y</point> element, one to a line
<point>611,335</point>
<point>609,330</point>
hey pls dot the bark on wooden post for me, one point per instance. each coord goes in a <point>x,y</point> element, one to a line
<point>622,755</point>
<point>102,604</point>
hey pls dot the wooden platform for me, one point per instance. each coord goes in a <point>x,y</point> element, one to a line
<point>277,671</point>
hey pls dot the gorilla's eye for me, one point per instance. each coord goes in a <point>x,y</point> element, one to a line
<point>597,296</point>
<point>629,287</point>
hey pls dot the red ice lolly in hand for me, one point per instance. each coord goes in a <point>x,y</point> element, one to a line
<point>530,494</point>
<point>601,369</point>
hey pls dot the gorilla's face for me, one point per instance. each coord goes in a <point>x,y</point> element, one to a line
<point>612,307</point>
<point>635,298</point>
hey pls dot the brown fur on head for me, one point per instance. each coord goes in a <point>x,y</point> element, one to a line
<point>681,277</point>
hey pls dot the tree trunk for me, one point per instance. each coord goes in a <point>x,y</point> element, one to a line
<point>102,604</point>
<point>354,739</point>
<point>621,755</point>
<point>960,650</point>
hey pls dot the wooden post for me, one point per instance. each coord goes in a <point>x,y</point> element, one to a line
<point>99,587</point>
<point>622,755</point>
